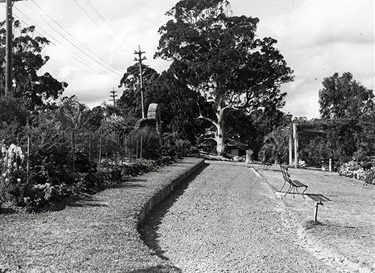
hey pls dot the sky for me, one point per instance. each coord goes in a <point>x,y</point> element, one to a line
<point>93,41</point>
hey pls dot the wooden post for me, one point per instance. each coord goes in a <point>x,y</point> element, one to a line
<point>141,148</point>
<point>290,150</point>
<point>316,211</point>
<point>100,148</point>
<point>139,60</point>
<point>28,160</point>
<point>330,165</point>
<point>73,151</point>
<point>8,48</point>
<point>90,146</point>
<point>136,147</point>
<point>106,148</point>
<point>295,137</point>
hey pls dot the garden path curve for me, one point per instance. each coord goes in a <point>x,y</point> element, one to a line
<point>227,219</point>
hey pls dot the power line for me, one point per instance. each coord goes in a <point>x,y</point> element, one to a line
<point>106,22</point>
<point>67,32</point>
<point>74,56</point>
<point>96,23</point>
<point>79,49</point>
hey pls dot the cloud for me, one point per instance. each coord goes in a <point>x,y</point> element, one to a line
<point>320,38</point>
<point>327,22</point>
<point>317,39</point>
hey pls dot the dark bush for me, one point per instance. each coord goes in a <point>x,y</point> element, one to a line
<point>370,178</point>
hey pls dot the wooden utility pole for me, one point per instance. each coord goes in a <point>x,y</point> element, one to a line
<point>8,48</point>
<point>113,96</point>
<point>139,60</point>
<point>295,140</point>
<point>8,45</point>
<point>290,136</point>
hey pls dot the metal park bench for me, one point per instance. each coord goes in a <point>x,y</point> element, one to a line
<point>264,165</point>
<point>293,184</point>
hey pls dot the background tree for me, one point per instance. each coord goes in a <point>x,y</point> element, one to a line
<point>275,148</point>
<point>130,101</point>
<point>349,107</point>
<point>27,56</point>
<point>180,106</point>
<point>217,55</point>
<point>344,97</point>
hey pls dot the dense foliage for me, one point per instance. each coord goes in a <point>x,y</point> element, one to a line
<point>130,100</point>
<point>219,56</point>
<point>34,90</point>
<point>72,150</point>
<point>344,97</point>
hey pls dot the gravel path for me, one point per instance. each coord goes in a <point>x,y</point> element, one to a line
<point>227,219</point>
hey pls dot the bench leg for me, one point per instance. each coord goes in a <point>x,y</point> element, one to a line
<point>302,192</point>
<point>289,190</point>
<point>282,187</point>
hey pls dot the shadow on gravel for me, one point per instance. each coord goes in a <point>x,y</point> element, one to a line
<point>7,211</point>
<point>158,269</point>
<point>149,228</point>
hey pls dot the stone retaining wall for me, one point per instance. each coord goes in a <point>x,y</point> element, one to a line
<point>166,191</point>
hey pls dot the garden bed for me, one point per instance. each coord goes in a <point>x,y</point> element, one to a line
<point>95,234</point>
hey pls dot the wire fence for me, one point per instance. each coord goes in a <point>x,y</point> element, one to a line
<point>77,147</point>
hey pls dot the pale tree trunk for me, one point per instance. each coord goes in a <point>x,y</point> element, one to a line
<point>219,124</point>
<point>219,135</point>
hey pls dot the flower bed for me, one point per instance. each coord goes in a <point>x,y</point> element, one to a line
<point>357,170</point>
<point>49,180</point>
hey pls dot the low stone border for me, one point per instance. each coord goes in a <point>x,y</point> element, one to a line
<point>99,233</point>
<point>166,191</point>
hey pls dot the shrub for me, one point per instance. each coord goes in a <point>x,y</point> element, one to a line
<point>150,142</point>
<point>370,178</point>
<point>354,169</point>
<point>12,111</point>
<point>12,174</point>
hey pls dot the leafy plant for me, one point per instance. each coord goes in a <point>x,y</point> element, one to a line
<point>370,178</point>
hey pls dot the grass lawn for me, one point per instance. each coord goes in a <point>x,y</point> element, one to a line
<point>346,229</point>
<point>95,234</point>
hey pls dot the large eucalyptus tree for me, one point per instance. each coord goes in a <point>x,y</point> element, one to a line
<point>218,55</point>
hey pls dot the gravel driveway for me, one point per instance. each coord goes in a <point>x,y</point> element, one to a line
<point>227,219</point>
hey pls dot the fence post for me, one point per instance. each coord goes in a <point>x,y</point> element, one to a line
<point>100,148</point>
<point>73,151</point>
<point>136,147</point>
<point>141,150</point>
<point>330,165</point>
<point>28,160</point>
<point>90,146</point>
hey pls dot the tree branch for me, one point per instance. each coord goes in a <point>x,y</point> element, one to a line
<point>208,119</point>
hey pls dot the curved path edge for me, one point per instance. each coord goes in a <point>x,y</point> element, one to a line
<point>163,193</point>
<point>312,244</point>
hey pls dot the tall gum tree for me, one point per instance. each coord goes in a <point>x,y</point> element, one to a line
<point>219,55</point>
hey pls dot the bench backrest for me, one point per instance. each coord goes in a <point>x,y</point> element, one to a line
<point>285,172</point>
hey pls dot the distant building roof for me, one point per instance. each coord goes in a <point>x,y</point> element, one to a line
<point>236,144</point>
